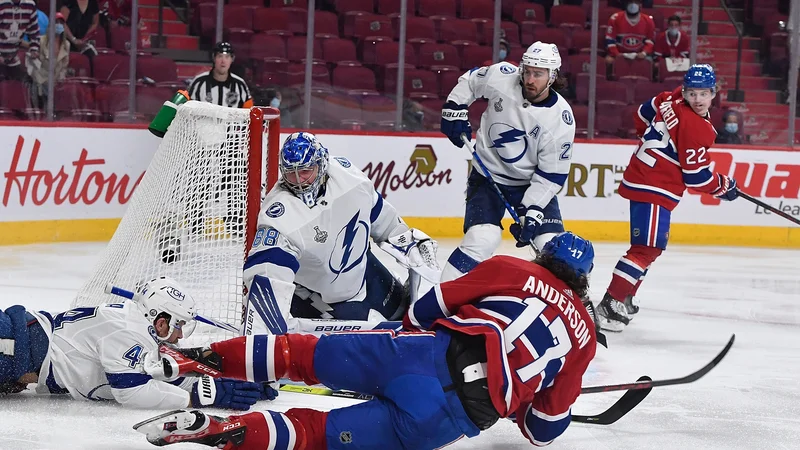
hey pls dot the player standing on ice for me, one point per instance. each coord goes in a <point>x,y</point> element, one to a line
<point>676,132</point>
<point>108,353</point>
<point>311,254</point>
<point>525,140</point>
<point>510,339</point>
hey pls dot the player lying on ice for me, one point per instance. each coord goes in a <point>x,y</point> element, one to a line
<point>311,254</point>
<point>676,133</point>
<point>510,339</point>
<point>106,353</point>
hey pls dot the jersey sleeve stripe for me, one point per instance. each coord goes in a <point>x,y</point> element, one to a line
<point>555,178</point>
<point>376,209</point>
<point>647,111</point>
<point>701,178</point>
<point>127,380</point>
<point>276,256</point>
<point>543,428</point>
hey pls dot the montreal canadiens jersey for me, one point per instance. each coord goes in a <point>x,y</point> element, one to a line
<point>666,48</point>
<point>673,154</point>
<point>519,142</point>
<point>95,354</point>
<point>624,37</point>
<point>539,338</point>
<point>324,248</point>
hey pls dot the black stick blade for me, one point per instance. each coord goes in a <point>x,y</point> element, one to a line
<point>621,407</point>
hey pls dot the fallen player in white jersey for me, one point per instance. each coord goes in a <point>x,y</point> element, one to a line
<point>111,352</point>
<point>311,256</point>
<point>525,142</point>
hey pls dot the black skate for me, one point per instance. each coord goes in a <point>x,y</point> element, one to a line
<point>601,338</point>
<point>612,315</point>
<point>631,305</point>
<point>191,426</point>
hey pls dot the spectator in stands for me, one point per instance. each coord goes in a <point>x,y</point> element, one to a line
<point>413,116</point>
<point>630,33</point>
<point>502,53</point>
<point>38,68</point>
<point>83,18</point>
<point>114,13</point>
<point>219,85</point>
<point>730,133</point>
<point>272,97</point>
<point>19,19</point>
<point>671,43</point>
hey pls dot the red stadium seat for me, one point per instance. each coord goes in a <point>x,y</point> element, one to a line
<point>237,16</point>
<point>392,7</point>
<point>475,111</point>
<point>419,30</point>
<point>150,99</point>
<point>296,74</point>
<point>428,8</point>
<point>612,93</point>
<point>158,69</point>
<point>555,36</point>
<point>326,24</point>
<point>508,31</point>
<point>76,93</point>
<point>458,31</point>
<point>646,90</point>
<point>345,6</point>
<point>477,9</point>
<point>111,67</point>
<point>336,50</point>
<point>300,4</point>
<point>419,81</point>
<point>379,110</point>
<point>633,70</point>
<point>475,56</point>
<point>528,12</point>
<point>112,98</point>
<point>239,38</point>
<point>354,78</point>
<point>383,53</point>
<point>267,46</point>
<point>371,26</point>
<point>432,55</point>
<point>296,48</point>
<point>608,125</point>
<point>447,81</point>
<point>79,66</point>
<point>569,15</point>
<point>581,114</point>
<point>582,41</point>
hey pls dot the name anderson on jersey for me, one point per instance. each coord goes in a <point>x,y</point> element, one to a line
<point>552,295</point>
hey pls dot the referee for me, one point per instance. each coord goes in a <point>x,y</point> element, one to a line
<point>219,86</point>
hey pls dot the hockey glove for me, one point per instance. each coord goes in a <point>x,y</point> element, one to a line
<point>526,230</point>
<point>224,393</point>
<point>727,188</point>
<point>414,249</point>
<point>455,120</point>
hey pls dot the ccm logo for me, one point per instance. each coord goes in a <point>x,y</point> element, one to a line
<point>337,328</point>
<point>231,426</point>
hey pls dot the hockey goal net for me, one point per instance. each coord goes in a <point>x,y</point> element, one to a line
<point>194,214</point>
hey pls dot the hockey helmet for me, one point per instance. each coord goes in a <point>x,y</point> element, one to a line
<point>163,295</point>
<point>573,250</point>
<point>542,55</point>
<point>303,165</point>
<point>222,47</point>
<point>700,76</point>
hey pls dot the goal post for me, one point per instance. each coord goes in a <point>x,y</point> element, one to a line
<point>194,214</point>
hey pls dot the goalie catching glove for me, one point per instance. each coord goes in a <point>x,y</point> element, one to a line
<point>414,250</point>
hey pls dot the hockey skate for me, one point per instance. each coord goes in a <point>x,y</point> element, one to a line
<point>631,305</point>
<point>612,315</point>
<point>192,426</point>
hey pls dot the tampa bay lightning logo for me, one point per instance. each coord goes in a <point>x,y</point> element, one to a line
<point>505,139</point>
<point>506,69</point>
<point>276,210</point>
<point>350,246</point>
<point>567,117</point>
<point>343,161</point>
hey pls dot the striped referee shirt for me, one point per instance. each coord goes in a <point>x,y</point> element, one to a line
<point>232,92</point>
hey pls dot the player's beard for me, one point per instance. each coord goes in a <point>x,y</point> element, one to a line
<point>532,95</point>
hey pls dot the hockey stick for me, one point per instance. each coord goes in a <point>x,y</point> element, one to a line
<point>694,376</point>
<point>110,289</point>
<point>769,208</point>
<point>621,407</point>
<point>494,185</point>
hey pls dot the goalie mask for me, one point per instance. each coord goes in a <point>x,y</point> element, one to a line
<point>304,166</point>
<point>163,295</point>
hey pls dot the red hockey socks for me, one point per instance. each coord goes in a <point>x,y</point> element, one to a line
<point>297,429</point>
<point>268,357</point>
<point>629,271</point>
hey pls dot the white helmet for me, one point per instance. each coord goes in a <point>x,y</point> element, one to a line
<point>165,295</point>
<point>542,55</point>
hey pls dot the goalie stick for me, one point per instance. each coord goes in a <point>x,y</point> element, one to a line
<point>621,407</point>
<point>694,376</point>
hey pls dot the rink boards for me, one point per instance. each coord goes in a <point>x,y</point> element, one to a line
<point>66,183</point>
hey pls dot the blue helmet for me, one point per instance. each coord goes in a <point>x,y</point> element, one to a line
<point>573,250</point>
<point>700,76</point>
<point>301,154</point>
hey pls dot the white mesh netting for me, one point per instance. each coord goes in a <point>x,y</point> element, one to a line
<point>187,217</point>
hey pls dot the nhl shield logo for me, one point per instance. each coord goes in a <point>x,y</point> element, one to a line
<point>498,105</point>
<point>345,437</point>
<point>321,235</point>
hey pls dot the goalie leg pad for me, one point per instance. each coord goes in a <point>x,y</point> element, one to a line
<point>478,245</point>
<point>267,306</point>
<point>267,358</point>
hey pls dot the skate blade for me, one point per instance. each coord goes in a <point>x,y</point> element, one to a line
<point>156,429</point>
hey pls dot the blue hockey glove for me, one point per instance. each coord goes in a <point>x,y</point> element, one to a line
<point>223,393</point>
<point>268,392</point>
<point>455,120</point>
<point>525,232</point>
<point>727,188</point>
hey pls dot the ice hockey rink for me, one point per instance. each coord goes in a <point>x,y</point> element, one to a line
<point>692,301</point>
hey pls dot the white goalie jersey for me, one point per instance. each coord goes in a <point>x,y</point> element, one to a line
<point>519,142</point>
<point>95,354</point>
<point>323,248</point>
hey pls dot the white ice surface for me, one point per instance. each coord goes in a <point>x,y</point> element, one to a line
<point>693,299</point>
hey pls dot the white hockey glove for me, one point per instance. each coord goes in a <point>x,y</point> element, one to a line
<point>415,251</point>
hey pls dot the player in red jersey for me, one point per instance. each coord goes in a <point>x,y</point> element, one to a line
<point>676,133</point>
<point>510,339</point>
<point>630,33</point>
